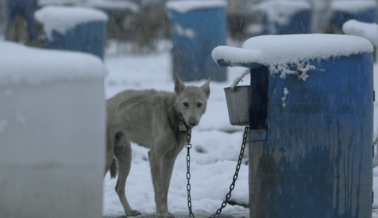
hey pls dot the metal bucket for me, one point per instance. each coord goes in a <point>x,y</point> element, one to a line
<point>238,102</point>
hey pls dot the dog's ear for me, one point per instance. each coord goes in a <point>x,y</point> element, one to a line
<point>179,85</point>
<point>206,87</point>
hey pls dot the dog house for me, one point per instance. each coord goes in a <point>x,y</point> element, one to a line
<point>74,28</point>
<point>198,27</point>
<point>311,124</point>
<point>52,133</point>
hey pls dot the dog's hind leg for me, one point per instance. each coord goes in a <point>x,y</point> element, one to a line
<point>122,152</point>
<point>109,158</point>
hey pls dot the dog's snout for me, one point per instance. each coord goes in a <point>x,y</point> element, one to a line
<point>193,122</point>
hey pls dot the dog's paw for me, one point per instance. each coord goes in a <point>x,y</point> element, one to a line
<point>133,213</point>
<point>166,215</point>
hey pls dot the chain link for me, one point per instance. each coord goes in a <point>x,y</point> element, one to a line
<point>232,186</point>
<point>189,146</point>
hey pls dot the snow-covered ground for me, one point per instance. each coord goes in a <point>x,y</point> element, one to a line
<point>216,143</point>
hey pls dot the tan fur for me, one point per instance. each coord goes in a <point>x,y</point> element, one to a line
<point>150,119</point>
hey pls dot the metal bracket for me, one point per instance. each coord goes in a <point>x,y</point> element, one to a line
<point>257,135</point>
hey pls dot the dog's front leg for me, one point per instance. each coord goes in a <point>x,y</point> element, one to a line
<point>167,168</point>
<point>156,159</point>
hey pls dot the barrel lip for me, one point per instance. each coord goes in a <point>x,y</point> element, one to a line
<point>274,50</point>
<point>187,6</point>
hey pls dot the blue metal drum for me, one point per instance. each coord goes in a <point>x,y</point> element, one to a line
<point>300,23</point>
<point>195,34</point>
<point>315,159</point>
<point>88,37</point>
<point>367,16</point>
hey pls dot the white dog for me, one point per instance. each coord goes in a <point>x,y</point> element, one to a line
<point>158,121</point>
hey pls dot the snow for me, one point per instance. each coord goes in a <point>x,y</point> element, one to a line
<point>214,153</point>
<point>236,81</point>
<point>106,4</point>
<point>281,11</point>
<point>368,31</point>
<point>56,2</point>
<point>285,93</point>
<point>3,125</point>
<point>61,18</point>
<point>186,32</point>
<point>274,50</point>
<point>213,156</point>
<point>35,66</point>
<point>353,7</point>
<point>186,6</point>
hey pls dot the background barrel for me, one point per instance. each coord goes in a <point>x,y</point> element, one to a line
<point>195,34</point>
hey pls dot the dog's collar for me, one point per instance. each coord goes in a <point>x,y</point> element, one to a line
<point>182,126</point>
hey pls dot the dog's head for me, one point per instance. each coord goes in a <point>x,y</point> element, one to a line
<point>191,101</point>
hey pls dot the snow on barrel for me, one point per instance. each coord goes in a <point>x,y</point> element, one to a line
<point>74,28</point>
<point>311,124</point>
<point>52,133</point>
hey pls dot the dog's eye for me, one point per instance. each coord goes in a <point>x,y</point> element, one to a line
<point>186,104</point>
<point>199,104</point>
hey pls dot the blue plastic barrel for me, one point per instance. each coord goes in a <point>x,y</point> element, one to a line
<point>317,158</point>
<point>85,33</point>
<point>342,13</point>
<point>196,32</point>
<point>26,9</point>
<point>89,37</point>
<point>286,17</point>
<point>310,149</point>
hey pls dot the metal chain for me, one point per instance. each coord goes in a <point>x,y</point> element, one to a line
<point>232,186</point>
<point>189,146</point>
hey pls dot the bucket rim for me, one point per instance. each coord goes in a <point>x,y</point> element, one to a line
<point>238,86</point>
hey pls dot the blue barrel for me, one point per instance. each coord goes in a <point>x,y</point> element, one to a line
<point>26,9</point>
<point>74,29</point>
<point>317,158</point>
<point>310,142</point>
<point>342,15</point>
<point>195,34</point>
<point>277,20</point>
<point>89,37</point>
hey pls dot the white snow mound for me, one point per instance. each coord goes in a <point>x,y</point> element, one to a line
<point>368,31</point>
<point>186,6</point>
<point>61,18</point>
<point>21,64</point>
<point>273,50</point>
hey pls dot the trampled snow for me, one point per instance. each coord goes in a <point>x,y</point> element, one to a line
<point>213,156</point>
<point>368,31</point>
<point>186,6</point>
<point>353,7</point>
<point>272,50</point>
<point>214,152</point>
<point>35,66</point>
<point>61,18</point>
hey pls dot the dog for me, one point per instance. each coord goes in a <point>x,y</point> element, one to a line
<point>156,120</point>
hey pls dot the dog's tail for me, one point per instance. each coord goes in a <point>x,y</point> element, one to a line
<point>113,168</point>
